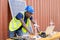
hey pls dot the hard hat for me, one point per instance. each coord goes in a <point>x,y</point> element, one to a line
<point>29,9</point>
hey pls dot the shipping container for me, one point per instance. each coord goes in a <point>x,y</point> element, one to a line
<point>45,11</point>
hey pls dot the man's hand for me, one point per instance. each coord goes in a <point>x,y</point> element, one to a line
<point>35,25</point>
<point>31,33</point>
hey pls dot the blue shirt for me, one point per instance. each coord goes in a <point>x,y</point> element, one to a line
<point>19,16</point>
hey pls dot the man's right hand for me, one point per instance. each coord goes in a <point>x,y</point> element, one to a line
<point>31,33</point>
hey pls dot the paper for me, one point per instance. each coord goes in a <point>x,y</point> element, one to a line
<point>49,29</point>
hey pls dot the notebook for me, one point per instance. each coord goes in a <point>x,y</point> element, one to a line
<point>49,29</point>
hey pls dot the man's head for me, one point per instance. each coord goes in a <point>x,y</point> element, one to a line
<point>29,11</point>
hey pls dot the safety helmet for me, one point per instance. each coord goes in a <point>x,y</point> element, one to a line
<point>29,9</point>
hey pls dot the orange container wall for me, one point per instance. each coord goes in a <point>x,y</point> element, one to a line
<point>45,10</point>
<point>0,21</point>
<point>3,19</point>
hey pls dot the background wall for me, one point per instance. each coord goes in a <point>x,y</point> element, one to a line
<point>45,10</point>
<point>3,19</point>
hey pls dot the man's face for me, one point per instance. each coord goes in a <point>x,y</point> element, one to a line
<point>28,14</point>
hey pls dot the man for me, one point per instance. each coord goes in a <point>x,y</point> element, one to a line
<point>20,23</point>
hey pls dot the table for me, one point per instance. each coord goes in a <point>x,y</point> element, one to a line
<point>53,37</point>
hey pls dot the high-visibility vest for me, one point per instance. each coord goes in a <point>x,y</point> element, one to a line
<point>16,24</point>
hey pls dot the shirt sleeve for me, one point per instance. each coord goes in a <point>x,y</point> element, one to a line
<point>19,16</point>
<point>31,18</point>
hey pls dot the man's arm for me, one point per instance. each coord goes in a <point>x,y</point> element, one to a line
<point>24,25</point>
<point>33,21</point>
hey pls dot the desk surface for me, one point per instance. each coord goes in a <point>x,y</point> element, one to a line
<point>55,36</point>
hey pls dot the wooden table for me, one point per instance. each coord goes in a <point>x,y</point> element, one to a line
<point>55,36</point>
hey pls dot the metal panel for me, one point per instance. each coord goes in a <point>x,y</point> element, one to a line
<point>4,20</point>
<point>0,21</point>
<point>17,6</point>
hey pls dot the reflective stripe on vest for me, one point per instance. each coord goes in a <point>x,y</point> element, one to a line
<point>16,24</point>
